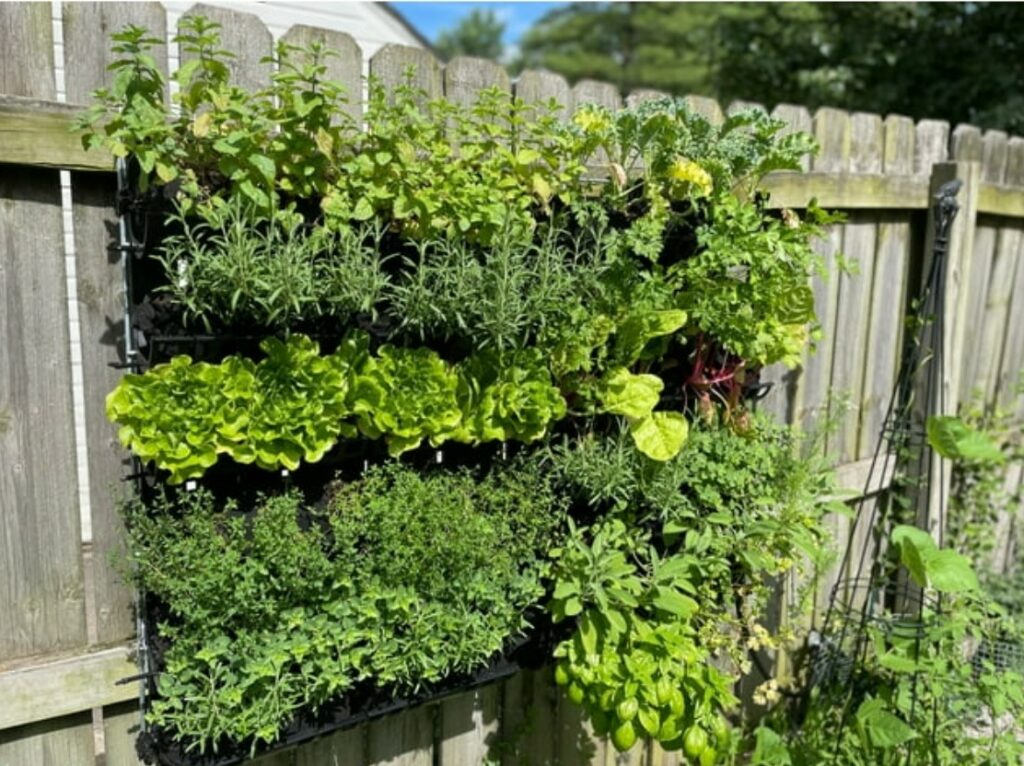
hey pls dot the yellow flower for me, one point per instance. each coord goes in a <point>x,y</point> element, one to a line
<point>689,172</point>
<point>591,120</point>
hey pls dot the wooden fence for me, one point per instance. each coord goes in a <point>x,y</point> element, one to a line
<point>66,621</point>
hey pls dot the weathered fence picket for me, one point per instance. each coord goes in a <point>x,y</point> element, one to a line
<point>59,598</point>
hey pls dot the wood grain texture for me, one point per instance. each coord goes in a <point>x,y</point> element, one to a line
<point>121,724</point>
<point>594,92</point>
<point>602,94</point>
<point>797,119</point>
<point>100,311</point>
<point>87,28</point>
<point>899,145</point>
<point>344,64</point>
<point>1004,557</point>
<point>661,757</point>
<point>528,719</point>
<point>810,398</point>
<point>1011,363</point>
<point>1001,200</point>
<point>739,106</point>
<point>26,39</point>
<point>58,742</point>
<point>41,690</point>
<point>832,129</point>
<point>885,327</point>
<point>931,146</point>
<point>888,292</point>
<point>465,77</point>
<point>537,87</point>
<point>343,748</point>
<point>850,350</point>
<point>405,739</point>
<point>469,726</point>
<point>965,144</point>
<point>986,239</point>
<point>994,151</point>
<point>541,697</point>
<point>990,335</point>
<point>866,476</point>
<point>991,151</point>
<point>393,64</point>
<point>782,399</point>
<point>245,36</point>
<point>34,132</point>
<point>41,587</point>
<point>1013,349</point>
<point>577,745</point>
<point>706,107</point>
<point>854,298</point>
<point>643,95</point>
<point>944,397</point>
<point>846,191</point>
<point>1014,176</point>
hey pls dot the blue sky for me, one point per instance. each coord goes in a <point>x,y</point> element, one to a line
<point>431,18</point>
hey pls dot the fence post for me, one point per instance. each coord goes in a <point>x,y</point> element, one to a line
<point>956,289</point>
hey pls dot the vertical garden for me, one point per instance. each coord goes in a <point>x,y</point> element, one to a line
<point>459,388</point>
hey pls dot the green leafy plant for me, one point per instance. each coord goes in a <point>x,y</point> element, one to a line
<point>289,407</point>
<point>673,574</point>
<point>405,395</point>
<point>924,692</point>
<point>617,275</point>
<point>287,607</point>
<point>634,663</point>
<point>231,266</point>
<point>952,438</point>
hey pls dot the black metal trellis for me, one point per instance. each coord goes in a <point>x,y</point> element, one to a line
<point>873,597</point>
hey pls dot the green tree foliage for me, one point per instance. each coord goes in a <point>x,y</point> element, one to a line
<point>478,34</point>
<point>955,61</point>
<point>667,46</point>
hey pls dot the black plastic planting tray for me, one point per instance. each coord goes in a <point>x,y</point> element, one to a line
<point>360,705</point>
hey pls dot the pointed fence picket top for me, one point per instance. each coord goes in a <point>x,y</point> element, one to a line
<point>344,65</point>
<point>465,77</point>
<point>395,65</point>
<point>932,145</point>
<point>57,593</point>
<point>540,87</point>
<point>91,60</point>
<point>245,37</point>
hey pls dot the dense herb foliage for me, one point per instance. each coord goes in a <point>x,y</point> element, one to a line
<point>602,290</point>
<point>674,571</point>
<point>403,578</point>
